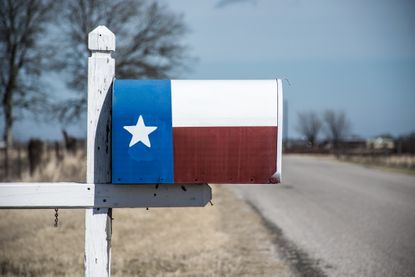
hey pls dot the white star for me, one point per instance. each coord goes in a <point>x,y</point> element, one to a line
<point>140,132</point>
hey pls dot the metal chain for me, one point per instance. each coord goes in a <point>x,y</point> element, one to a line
<point>56,218</point>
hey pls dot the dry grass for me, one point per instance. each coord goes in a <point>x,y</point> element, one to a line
<point>400,163</point>
<point>227,239</point>
<point>71,168</point>
<point>31,246</point>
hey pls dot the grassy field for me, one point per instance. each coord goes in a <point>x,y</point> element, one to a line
<point>226,239</point>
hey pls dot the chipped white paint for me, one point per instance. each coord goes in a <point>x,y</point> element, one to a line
<point>46,195</point>
<point>101,70</point>
<point>101,39</point>
<point>98,232</point>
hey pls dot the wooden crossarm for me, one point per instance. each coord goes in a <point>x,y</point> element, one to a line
<point>79,195</point>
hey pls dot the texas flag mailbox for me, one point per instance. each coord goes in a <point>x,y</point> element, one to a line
<point>191,131</point>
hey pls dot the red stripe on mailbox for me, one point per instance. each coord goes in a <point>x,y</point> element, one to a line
<point>224,154</point>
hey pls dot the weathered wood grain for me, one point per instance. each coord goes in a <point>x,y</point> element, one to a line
<point>101,70</point>
<point>78,195</point>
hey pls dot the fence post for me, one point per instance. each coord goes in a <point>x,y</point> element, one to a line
<point>101,68</point>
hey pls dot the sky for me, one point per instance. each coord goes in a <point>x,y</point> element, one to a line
<point>356,56</point>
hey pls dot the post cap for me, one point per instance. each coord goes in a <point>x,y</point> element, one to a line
<point>101,39</point>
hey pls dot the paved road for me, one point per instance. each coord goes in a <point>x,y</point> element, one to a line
<point>340,219</point>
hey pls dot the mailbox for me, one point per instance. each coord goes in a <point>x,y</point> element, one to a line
<point>196,131</point>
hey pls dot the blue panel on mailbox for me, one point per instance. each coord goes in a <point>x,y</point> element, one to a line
<point>142,139</point>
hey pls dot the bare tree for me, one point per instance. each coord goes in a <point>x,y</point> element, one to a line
<point>22,25</point>
<point>309,125</point>
<point>148,45</point>
<point>337,126</point>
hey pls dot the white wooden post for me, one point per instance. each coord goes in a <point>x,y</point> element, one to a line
<point>101,70</point>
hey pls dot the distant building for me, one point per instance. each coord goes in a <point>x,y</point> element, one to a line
<point>380,143</point>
